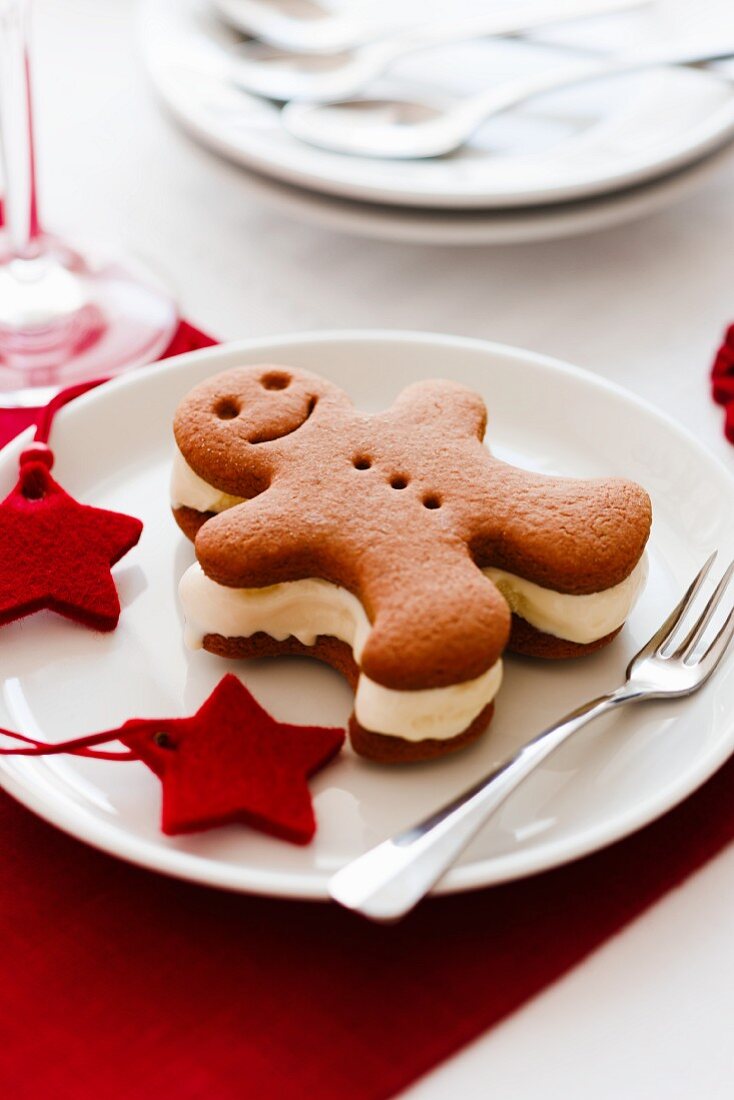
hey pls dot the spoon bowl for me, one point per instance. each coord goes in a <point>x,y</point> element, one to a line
<point>401,129</point>
<point>279,74</point>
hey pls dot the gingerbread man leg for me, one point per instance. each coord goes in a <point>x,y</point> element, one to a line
<point>421,635</point>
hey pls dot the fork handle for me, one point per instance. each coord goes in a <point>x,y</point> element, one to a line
<point>386,882</point>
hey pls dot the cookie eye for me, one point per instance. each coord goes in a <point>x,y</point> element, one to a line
<point>430,500</point>
<point>361,462</point>
<point>275,380</point>
<point>227,408</point>
<point>399,482</point>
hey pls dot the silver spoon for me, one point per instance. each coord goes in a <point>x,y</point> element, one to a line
<point>411,129</point>
<point>285,74</point>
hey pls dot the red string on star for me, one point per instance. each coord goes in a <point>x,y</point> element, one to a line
<point>55,553</point>
<point>230,762</point>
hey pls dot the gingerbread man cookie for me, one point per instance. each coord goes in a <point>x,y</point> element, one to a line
<point>394,546</point>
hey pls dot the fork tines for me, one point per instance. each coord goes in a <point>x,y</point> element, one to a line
<point>663,641</point>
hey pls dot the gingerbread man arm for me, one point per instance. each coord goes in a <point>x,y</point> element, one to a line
<point>261,542</point>
<point>569,535</point>
<point>566,534</point>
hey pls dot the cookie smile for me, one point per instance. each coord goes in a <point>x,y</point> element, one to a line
<point>269,435</point>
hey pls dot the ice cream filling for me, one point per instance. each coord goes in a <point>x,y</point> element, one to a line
<point>308,608</point>
<point>305,609</point>
<point>188,490</point>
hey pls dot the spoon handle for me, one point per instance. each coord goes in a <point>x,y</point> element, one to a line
<point>476,109</point>
<point>527,15</point>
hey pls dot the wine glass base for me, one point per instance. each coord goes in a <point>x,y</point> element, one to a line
<point>65,321</point>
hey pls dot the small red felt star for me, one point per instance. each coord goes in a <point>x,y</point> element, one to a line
<point>56,553</point>
<point>232,761</point>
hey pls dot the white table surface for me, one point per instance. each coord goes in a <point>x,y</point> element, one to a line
<point>649,1016</point>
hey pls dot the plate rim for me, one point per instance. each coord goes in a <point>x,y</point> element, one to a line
<point>113,839</point>
<point>711,136</point>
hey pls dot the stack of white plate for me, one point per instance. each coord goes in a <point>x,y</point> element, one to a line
<point>588,157</point>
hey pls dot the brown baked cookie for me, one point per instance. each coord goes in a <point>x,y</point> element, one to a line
<point>190,520</point>
<point>529,642</point>
<point>403,509</point>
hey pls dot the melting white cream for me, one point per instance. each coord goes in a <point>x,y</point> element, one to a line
<point>581,619</point>
<point>304,610</point>
<point>188,490</point>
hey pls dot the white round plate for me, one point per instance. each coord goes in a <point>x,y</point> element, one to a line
<point>582,142</point>
<point>484,227</point>
<point>59,680</point>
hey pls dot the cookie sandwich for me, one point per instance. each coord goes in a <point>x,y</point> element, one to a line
<point>394,546</point>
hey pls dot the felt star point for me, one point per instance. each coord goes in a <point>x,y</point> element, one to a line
<point>233,762</point>
<point>56,553</point>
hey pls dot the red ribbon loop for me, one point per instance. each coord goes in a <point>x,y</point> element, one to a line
<point>77,746</point>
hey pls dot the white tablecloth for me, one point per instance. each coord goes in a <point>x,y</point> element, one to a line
<point>649,1016</point>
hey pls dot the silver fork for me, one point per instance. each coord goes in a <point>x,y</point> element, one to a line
<point>389,880</point>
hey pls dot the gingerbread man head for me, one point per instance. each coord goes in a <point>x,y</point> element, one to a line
<point>406,509</point>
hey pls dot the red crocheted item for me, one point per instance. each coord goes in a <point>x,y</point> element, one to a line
<point>232,762</point>
<point>56,553</point>
<point>722,381</point>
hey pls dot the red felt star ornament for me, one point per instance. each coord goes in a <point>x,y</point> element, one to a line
<point>233,762</point>
<point>56,553</point>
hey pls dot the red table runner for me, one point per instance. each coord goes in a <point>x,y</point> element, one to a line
<point>119,983</point>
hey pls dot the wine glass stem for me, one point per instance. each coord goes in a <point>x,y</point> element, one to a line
<point>22,228</point>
